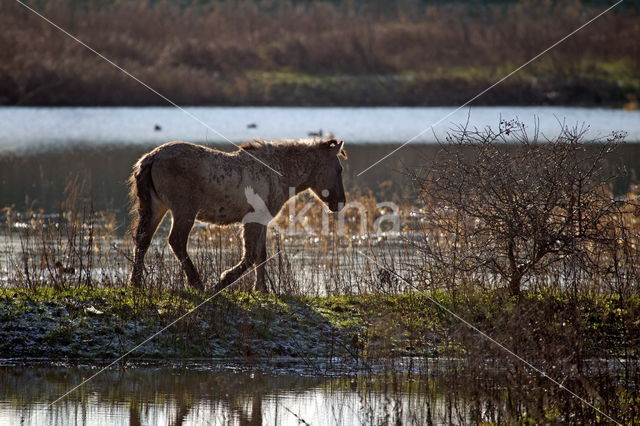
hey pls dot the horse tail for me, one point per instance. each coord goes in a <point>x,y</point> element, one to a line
<point>141,191</point>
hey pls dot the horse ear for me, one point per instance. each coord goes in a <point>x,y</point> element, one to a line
<point>335,146</point>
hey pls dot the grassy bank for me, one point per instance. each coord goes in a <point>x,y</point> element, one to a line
<point>590,344</point>
<point>107,322</point>
<point>318,53</point>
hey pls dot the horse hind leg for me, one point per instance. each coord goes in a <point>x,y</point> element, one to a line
<point>178,238</point>
<point>149,217</point>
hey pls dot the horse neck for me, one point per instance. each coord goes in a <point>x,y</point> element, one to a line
<point>299,170</point>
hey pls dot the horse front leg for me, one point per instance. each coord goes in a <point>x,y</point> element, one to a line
<point>254,235</point>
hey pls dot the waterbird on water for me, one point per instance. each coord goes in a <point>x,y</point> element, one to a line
<point>252,126</point>
<point>157,128</point>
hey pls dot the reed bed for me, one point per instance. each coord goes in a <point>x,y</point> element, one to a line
<point>81,247</point>
<point>318,53</point>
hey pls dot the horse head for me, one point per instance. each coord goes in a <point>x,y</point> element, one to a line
<point>327,183</point>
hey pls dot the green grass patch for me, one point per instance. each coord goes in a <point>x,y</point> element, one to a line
<point>92,322</point>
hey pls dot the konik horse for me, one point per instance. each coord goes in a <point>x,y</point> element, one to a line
<point>199,183</point>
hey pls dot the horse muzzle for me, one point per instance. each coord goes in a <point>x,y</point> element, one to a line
<point>336,206</point>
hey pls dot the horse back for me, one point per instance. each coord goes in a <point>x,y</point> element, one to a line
<point>201,180</point>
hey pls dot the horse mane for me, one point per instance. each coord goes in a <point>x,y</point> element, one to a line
<point>251,145</point>
<point>283,143</point>
<point>301,144</point>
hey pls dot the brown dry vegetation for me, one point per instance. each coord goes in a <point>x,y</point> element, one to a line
<point>574,314</point>
<point>535,213</point>
<point>79,247</point>
<point>317,53</point>
<point>560,330</point>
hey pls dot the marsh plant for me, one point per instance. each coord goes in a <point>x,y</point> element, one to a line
<point>78,246</point>
<point>319,53</point>
<point>352,220</point>
<point>510,209</point>
<point>527,238</point>
<point>520,236</point>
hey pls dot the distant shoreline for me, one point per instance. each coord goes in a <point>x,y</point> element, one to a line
<point>385,90</point>
<point>335,53</point>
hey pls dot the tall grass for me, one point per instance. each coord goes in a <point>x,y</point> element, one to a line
<point>80,247</point>
<point>324,53</point>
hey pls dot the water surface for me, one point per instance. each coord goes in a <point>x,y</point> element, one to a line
<point>282,392</point>
<point>209,393</point>
<point>28,127</point>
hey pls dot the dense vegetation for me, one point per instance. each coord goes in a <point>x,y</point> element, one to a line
<point>521,245</point>
<point>318,53</point>
<point>80,322</point>
<point>587,343</point>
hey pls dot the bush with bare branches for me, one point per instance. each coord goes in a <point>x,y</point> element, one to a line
<point>505,208</point>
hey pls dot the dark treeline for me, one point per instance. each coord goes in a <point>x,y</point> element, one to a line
<point>318,53</point>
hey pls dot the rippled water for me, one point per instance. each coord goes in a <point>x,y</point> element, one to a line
<point>213,394</point>
<point>25,127</point>
<point>293,391</point>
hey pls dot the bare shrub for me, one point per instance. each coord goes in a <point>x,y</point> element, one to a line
<point>505,208</point>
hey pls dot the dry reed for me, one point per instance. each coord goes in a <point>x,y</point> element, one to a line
<point>326,53</point>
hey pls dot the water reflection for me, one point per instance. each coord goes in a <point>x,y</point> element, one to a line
<point>288,391</point>
<point>201,394</point>
<point>43,179</point>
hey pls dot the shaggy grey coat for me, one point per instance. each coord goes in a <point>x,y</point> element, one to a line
<point>199,183</point>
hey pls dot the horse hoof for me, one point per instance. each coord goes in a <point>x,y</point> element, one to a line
<point>260,289</point>
<point>220,286</point>
<point>197,285</point>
